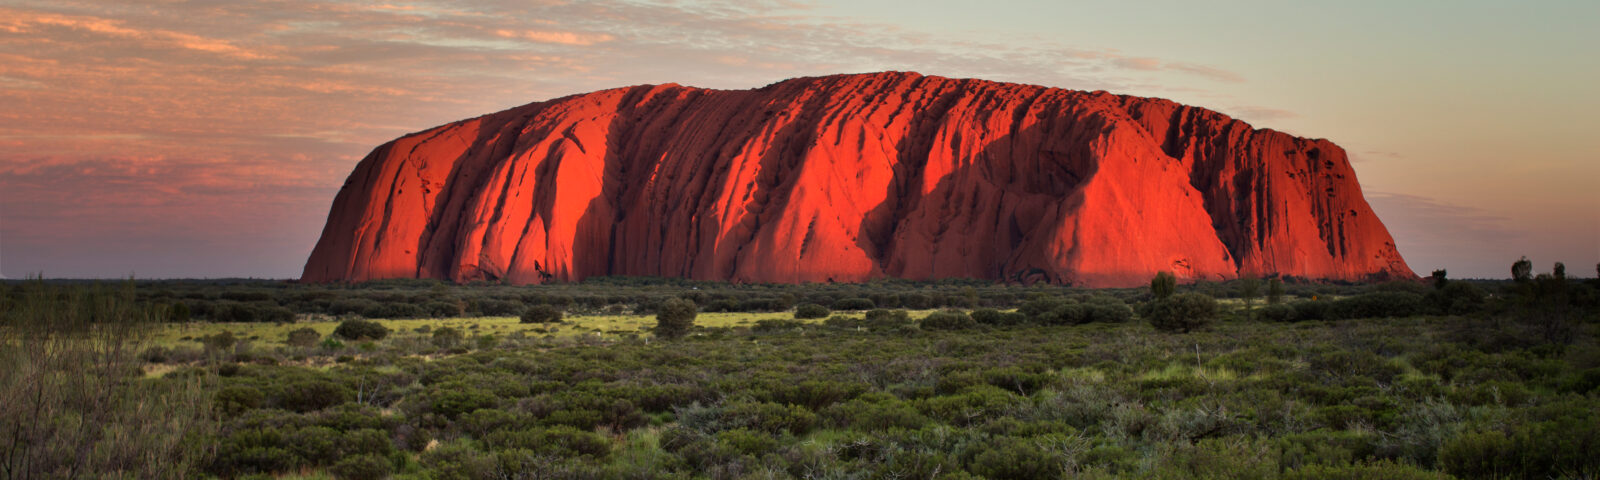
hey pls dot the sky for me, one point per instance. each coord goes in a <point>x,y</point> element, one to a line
<point>189,139</point>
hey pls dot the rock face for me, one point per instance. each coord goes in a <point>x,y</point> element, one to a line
<point>849,178</point>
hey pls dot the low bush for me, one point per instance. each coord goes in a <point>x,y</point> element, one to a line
<point>303,338</point>
<point>1376,305</point>
<point>541,314</point>
<point>362,467</point>
<point>771,325</point>
<point>447,337</point>
<point>220,341</point>
<point>948,320</point>
<point>810,310</point>
<point>1278,312</point>
<point>1310,310</point>
<point>854,304</point>
<point>992,317</point>
<point>1184,312</point>
<point>1555,449</point>
<point>358,329</point>
<point>1381,469</point>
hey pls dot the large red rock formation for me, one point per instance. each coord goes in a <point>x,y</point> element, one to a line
<point>849,178</point>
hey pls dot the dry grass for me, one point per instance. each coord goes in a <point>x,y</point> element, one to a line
<point>607,326</point>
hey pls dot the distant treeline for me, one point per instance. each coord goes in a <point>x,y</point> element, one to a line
<point>283,301</point>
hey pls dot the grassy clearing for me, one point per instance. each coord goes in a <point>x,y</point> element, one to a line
<point>610,327</point>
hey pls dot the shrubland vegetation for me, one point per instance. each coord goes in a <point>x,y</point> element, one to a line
<point>1444,379</point>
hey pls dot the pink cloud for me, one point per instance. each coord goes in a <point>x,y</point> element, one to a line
<point>556,37</point>
<point>196,128</point>
<point>34,23</point>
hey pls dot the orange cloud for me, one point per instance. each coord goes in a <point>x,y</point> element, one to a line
<point>25,22</point>
<point>208,129</point>
<point>556,37</point>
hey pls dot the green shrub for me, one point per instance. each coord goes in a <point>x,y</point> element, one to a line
<point>237,399</point>
<point>453,399</point>
<point>742,441</point>
<point>1163,285</point>
<point>447,337</point>
<point>875,412</point>
<point>770,417</point>
<point>559,440</point>
<point>992,317</point>
<point>1344,364</point>
<point>362,467</point>
<point>357,329</point>
<point>310,395</point>
<point>1457,298</point>
<point>541,314</point>
<point>948,320</point>
<point>303,338</point>
<point>1376,305</point>
<point>1276,312</point>
<point>1039,310</point>
<point>973,405</point>
<point>1106,309</point>
<point>1015,458</point>
<point>771,325</point>
<point>675,317</point>
<point>1553,449</point>
<point>1065,313</point>
<point>1325,447</point>
<point>1381,469</point>
<point>254,450</point>
<point>180,312</point>
<point>1310,310</point>
<point>155,354</point>
<point>884,320</point>
<point>220,341</point>
<point>1184,312</point>
<point>318,445</point>
<point>459,460</point>
<point>854,304</point>
<point>810,310</point>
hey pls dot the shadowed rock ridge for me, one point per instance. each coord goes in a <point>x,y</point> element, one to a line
<point>850,178</point>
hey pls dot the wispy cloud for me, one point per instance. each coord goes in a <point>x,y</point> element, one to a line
<point>25,22</point>
<point>124,120</point>
<point>557,37</point>
<point>1261,114</point>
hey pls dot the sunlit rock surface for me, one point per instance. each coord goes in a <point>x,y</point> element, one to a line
<point>849,178</point>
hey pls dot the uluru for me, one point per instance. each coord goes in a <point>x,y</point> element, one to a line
<point>850,178</point>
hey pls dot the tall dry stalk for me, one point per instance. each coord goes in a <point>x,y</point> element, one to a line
<point>74,402</point>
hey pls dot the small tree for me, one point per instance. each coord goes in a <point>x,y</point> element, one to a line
<point>1438,279</point>
<point>1274,291</point>
<point>1249,289</point>
<point>1559,271</point>
<point>1184,312</point>
<point>675,317</point>
<point>1163,285</point>
<point>541,314</point>
<point>303,338</point>
<point>1522,270</point>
